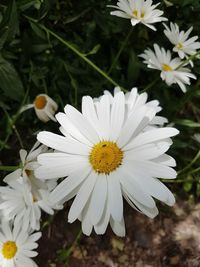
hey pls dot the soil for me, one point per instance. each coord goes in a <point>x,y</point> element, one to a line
<point>171,239</point>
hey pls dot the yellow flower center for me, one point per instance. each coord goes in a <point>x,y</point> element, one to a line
<point>35,199</point>
<point>105,157</point>
<point>40,102</point>
<point>28,172</point>
<point>137,14</point>
<point>179,46</point>
<point>166,67</point>
<point>9,250</point>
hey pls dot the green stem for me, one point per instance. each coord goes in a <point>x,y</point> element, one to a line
<point>69,251</point>
<point>191,163</point>
<point>76,51</point>
<point>188,60</point>
<point>9,168</point>
<point>12,122</point>
<point>120,50</point>
<point>150,85</point>
<point>195,171</point>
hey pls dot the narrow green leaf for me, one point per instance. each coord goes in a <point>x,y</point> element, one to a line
<point>10,82</point>
<point>9,25</point>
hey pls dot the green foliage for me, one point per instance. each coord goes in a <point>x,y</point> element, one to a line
<point>33,61</point>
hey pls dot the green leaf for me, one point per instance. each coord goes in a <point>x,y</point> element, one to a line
<point>10,82</point>
<point>94,50</point>
<point>25,4</point>
<point>188,123</point>
<point>9,25</point>
<point>38,31</point>
<point>187,187</point>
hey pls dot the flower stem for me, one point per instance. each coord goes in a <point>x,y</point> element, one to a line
<point>8,168</point>
<point>191,163</point>
<point>76,51</point>
<point>188,60</point>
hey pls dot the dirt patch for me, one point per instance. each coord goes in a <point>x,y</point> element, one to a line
<point>171,239</point>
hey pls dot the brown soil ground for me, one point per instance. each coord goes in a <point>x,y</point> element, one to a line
<point>171,239</point>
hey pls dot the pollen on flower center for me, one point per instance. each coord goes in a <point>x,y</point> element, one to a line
<point>28,172</point>
<point>166,67</point>
<point>40,102</point>
<point>105,157</point>
<point>179,46</point>
<point>9,250</point>
<point>137,14</point>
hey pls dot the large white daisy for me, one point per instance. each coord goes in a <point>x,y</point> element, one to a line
<point>106,154</point>
<point>183,45</point>
<point>171,72</point>
<point>139,11</point>
<point>17,246</point>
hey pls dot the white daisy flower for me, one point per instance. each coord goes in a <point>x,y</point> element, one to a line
<point>170,71</point>
<point>134,100</point>
<point>28,165</point>
<point>17,246</point>
<point>23,204</point>
<point>45,107</point>
<point>139,11</point>
<point>183,44</point>
<point>106,155</point>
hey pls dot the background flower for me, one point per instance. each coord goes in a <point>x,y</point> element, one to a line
<point>172,70</point>
<point>140,11</point>
<point>17,246</point>
<point>184,45</point>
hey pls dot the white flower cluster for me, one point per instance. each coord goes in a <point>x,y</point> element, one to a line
<point>21,203</point>
<point>114,149</point>
<point>173,70</point>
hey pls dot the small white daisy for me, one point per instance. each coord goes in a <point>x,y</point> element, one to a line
<point>183,44</point>
<point>22,203</point>
<point>106,155</point>
<point>139,11</point>
<point>45,107</point>
<point>161,59</point>
<point>28,165</point>
<point>17,246</point>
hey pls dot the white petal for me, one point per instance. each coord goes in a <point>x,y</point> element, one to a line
<point>63,144</point>
<point>115,196</point>
<point>82,124</point>
<point>82,197</point>
<point>13,176</point>
<point>118,227</point>
<point>117,115</point>
<point>98,199</point>
<point>151,136</point>
<point>69,184</point>
<point>69,128</point>
<point>101,227</point>
<point>132,123</point>
<point>133,190</point>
